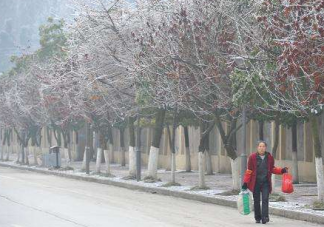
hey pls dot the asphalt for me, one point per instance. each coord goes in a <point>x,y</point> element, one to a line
<point>29,199</point>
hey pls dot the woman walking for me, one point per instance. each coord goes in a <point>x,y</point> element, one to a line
<point>257,179</point>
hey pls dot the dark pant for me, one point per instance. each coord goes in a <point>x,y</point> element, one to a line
<point>262,189</point>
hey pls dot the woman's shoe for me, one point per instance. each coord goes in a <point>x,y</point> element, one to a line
<point>264,220</point>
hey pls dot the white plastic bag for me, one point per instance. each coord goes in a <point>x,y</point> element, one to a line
<point>245,202</point>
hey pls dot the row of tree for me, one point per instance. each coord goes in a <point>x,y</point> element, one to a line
<point>123,64</point>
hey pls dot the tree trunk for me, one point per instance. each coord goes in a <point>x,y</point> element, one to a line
<point>172,138</point>
<point>131,150</point>
<point>205,141</point>
<point>35,155</point>
<point>77,147</point>
<point>229,141</point>
<point>276,139</point>
<point>98,161</point>
<point>261,130</point>
<point>49,136</point>
<point>235,173</point>
<point>66,156</point>
<point>154,150</point>
<point>26,155</point>
<point>188,158</point>
<point>22,154</point>
<point>122,147</point>
<point>4,140</point>
<point>87,150</point>
<point>69,150</point>
<point>8,153</point>
<point>84,163</point>
<point>1,144</point>
<point>58,138</point>
<point>18,155</point>
<point>107,161</point>
<point>138,150</point>
<point>69,145</point>
<point>66,141</point>
<point>294,153</point>
<point>209,163</point>
<point>9,146</point>
<point>40,149</point>
<point>201,167</point>
<point>275,148</point>
<point>228,137</point>
<point>153,163</point>
<point>2,152</point>
<point>95,143</point>
<point>90,144</point>
<point>173,167</point>
<point>31,148</point>
<point>318,158</point>
<point>22,143</point>
<point>111,143</point>
<point>203,147</point>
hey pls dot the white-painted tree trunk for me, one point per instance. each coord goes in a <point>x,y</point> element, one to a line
<point>295,167</point>
<point>111,152</point>
<point>34,154</point>
<point>132,161</point>
<point>5,151</point>
<point>319,178</point>
<point>235,173</point>
<point>69,150</point>
<point>107,161</point>
<point>8,152</point>
<point>40,150</point>
<point>18,155</point>
<point>173,167</point>
<point>39,157</point>
<point>209,164</point>
<point>67,156</point>
<point>2,152</point>
<point>84,161</point>
<point>26,150</point>
<point>153,162</point>
<point>273,181</point>
<point>95,142</point>
<point>98,161</point>
<point>201,168</point>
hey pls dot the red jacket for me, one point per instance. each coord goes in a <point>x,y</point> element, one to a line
<point>250,173</point>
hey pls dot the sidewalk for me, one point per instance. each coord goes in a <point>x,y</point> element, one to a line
<point>297,205</point>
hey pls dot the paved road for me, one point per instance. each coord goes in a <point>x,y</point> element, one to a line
<point>34,200</point>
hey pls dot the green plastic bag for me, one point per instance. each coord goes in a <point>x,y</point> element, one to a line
<point>245,202</point>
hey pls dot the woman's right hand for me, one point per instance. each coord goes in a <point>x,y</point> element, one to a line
<point>284,170</point>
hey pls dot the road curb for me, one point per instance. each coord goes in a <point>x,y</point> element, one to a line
<point>163,191</point>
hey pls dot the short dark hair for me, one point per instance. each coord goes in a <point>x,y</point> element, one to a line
<point>262,141</point>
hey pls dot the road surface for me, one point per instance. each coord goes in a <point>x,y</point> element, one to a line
<point>30,199</point>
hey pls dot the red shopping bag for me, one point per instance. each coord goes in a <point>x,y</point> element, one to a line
<point>287,183</point>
